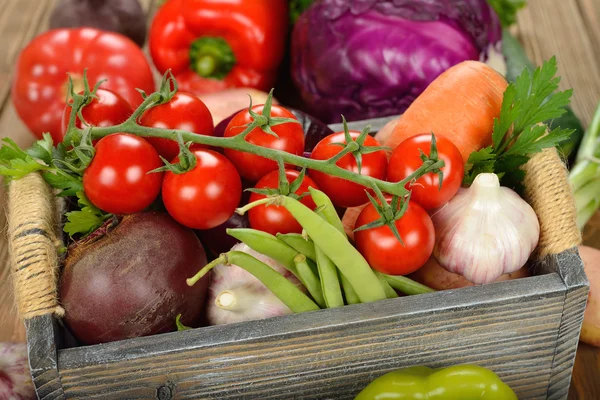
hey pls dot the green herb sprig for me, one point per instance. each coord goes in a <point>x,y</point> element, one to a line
<point>518,132</point>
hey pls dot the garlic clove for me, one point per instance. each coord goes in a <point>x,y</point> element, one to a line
<point>485,231</point>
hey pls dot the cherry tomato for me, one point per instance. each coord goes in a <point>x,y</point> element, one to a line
<point>207,195</point>
<point>117,180</point>
<point>107,109</point>
<point>185,111</point>
<point>342,192</point>
<point>384,252</point>
<point>274,219</point>
<point>253,167</point>
<point>406,159</point>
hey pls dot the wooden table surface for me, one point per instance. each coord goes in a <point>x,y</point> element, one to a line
<point>569,29</point>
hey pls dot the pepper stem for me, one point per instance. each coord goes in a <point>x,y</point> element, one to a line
<point>211,57</point>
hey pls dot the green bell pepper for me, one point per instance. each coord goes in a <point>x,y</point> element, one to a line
<point>464,382</point>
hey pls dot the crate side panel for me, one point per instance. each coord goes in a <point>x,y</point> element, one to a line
<point>570,268</point>
<point>514,337</point>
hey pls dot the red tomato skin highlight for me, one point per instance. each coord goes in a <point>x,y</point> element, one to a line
<point>207,195</point>
<point>185,112</point>
<point>276,219</point>
<point>385,253</point>
<point>253,167</point>
<point>425,191</point>
<point>342,192</point>
<point>117,180</point>
<point>108,109</point>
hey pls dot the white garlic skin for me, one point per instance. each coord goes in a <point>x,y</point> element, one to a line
<point>255,301</point>
<point>485,231</point>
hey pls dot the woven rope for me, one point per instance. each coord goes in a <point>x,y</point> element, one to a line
<point>32,216</point>
<point>33,241</point>
<point>548,191</point>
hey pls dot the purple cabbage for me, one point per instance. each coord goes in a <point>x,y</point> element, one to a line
<point>372,58</point>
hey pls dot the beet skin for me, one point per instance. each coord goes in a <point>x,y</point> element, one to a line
<point>130,281</point>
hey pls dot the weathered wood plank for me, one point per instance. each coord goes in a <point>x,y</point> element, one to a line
<point>510,328</point>
<point>590,11</point>
<point>556,27</point>
<point>41,346</point>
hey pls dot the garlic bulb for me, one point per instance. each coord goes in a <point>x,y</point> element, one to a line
<point>485,231</point>
<point>235,295</point>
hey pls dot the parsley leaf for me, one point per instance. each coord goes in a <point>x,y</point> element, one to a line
<point>86,220</point>
<point>519,131</point>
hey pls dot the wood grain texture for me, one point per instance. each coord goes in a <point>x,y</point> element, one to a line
<point>509,327</point>
<point>556,27</point>
<point>41,348</point>
<point>571,270</point>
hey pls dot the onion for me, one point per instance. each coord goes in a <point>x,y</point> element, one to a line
<point>15,379</point>
<point>235,295</point>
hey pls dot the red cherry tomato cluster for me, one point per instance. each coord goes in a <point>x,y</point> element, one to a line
<point>119,179</point>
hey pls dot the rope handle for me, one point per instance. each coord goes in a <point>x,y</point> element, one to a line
<point>33,246</point>
<point>548,191</point>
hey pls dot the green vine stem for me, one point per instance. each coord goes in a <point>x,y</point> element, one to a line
<point>239,143</point>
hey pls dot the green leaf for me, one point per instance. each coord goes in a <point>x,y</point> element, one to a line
<point>42,149</point>
<point>83,221</point>
<point>68,184</point>
<point>479,162</point>
<point>86,220</point>
<point>507,10</point>
<point>295,185</point>
<point>18,168</point>
<point>10,151</point>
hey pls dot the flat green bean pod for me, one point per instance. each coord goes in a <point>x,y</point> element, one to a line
<point>324,204</point>
<point>349,293</point>
<point>298,243</point>
<point>330,284</point>
<point>389,290</point>
<point>339,250</point>
<point>267,244</point>
<point>285,290</point>
<point>312,282</point>
<point>406,285</point>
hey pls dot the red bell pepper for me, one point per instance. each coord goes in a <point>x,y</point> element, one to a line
<point>39,87</point>
<point>211,45</point>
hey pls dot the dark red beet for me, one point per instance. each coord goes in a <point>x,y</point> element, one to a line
<point>130,282</point>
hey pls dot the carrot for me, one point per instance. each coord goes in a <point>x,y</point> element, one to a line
<point>460,104</point>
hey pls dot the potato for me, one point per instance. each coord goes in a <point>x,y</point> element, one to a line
<point>436,277</point>
<point>590,331</point>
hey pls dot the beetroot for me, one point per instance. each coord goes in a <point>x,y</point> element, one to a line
<point>129,281</point>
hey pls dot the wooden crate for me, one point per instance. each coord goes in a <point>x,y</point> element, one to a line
<point>526,330</point>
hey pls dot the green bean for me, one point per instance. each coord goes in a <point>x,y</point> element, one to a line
<point>298,243</point>
<point>389,290</point>
<point>349,293</point>
<point>267,244</point>
<point>324,204</point>
<point>285,290</point>
<point>311,281</point>
<point>338,249</point>
<point>330,284</point>
<point>270,246</point>
<point>406,285</point>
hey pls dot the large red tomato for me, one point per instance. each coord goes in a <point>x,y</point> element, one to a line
<point>184,111</point>
<point>384,252</point>
<point>39,88</point>
<point>117,180</point>
<point>342,192</point>
<point>107,109</point>
<point>290,139</point>
<point>207,195</point>
<point>406,159</point>
<point>276,219</point>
